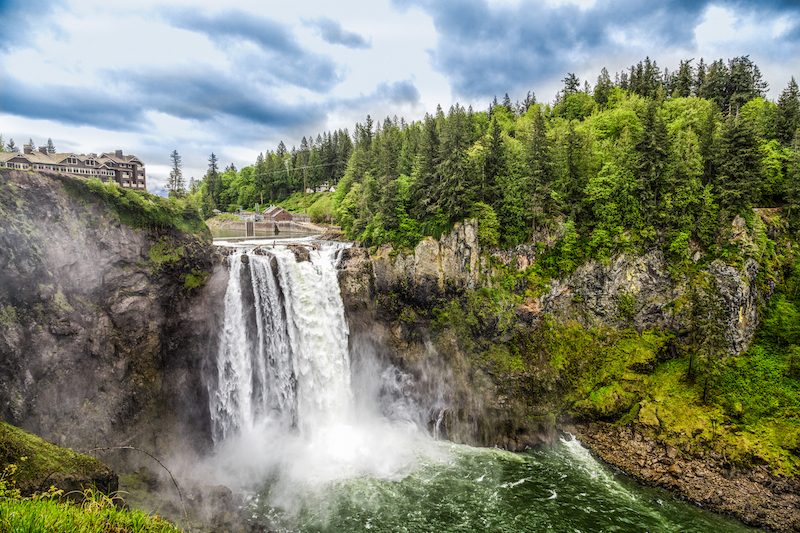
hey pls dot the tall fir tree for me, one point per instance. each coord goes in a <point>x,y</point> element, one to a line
<point>493,166</point>
<point>603,87</point>
<point>787,120</point>
<point>51,148</point>
<point>792,184</point>
<point>176,184</point>
<point>651,161</point>
<point>540,171</point>
<point>425,188</point>
<point>738,166</point>
<point>684,79</point>
<point>213,182</point>
<point>456,191</point>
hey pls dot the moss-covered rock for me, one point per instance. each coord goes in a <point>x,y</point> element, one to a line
<point>34,465</point>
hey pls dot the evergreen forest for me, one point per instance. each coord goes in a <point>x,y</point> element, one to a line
<point>647,159</point>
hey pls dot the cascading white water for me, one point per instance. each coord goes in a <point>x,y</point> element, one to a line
<point>283,357</point>
<point>313,441</point>
<point>288,406</point>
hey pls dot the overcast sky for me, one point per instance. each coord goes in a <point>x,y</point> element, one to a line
<point>151,77</point>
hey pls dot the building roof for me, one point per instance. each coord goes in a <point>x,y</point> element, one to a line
<point>273,210</point>
<point>58,159</point>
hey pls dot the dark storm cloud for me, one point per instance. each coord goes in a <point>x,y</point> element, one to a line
<point>18,18</point>
<point>401,92</point>
<point>488,49</point>
<point>201,94</point>
<point>69,105</point>
<point>332,32</point>
<point>292,63</point>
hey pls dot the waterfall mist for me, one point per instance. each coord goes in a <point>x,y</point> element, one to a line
<point>292,401</point>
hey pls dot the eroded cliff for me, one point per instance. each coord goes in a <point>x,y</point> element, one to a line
<point>104,331</point>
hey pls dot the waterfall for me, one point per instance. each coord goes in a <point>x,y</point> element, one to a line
<point>283,357</point>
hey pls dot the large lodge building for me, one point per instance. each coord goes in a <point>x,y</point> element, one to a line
<point>126,170</point>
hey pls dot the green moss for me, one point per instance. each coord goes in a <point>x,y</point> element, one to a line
<point>164,251</point>
<point>61,302</point>
<point>8,316</point>
<point>196,278</point>
<point>607,402</point>
<point>626,305</point>
<point>39,462</point>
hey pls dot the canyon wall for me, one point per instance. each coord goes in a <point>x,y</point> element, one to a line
<point>105,328</point>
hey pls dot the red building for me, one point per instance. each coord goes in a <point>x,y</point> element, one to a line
<point>276,213</point>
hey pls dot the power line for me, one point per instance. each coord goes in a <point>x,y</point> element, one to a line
<point>295,168</point>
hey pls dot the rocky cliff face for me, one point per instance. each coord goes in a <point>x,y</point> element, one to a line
<point>593,295</point>
<point>448,265</point>
<point>104,331</point>
<point>384,291</point>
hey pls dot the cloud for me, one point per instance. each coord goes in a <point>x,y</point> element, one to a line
<point>485,49</point>
<point>332,32</point>
<point>199,93</point>
<point>19,18</point>
<point>288,61</point>
<point>401,92</point>
<point>70,105</point>
<point>202,93</point>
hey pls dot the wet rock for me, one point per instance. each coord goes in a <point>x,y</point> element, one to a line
<point>753,495</point>
<point>301,253</point>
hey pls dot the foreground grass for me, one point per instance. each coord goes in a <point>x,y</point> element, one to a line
<point>98,513</point>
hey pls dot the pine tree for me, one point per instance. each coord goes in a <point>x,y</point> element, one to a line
<point>738,165</point>
<point>651,151</point>
<point>602,88</point>
<point>540,171</point>
<point>530,99</point>
<point>493,167</point>
<point>213,182</point>
<point>792,184</point>
<point>314,174</point>
<point>2,146</point>
<point>572,84</point>
<point>712,342</point>
<point>31,144</point>
<point>11,146</point>
<point>788,114</point>
<point>713,88</point>
<point>51,148</point>
<point>176,185</point>
<point>456,190</point>
<point>700,79</point>
<point>683,80</point>
<point>425,191</point>
<point>743,83</point>
<point>507,103</point>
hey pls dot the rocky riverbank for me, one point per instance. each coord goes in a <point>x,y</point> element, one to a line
<point>756,496</point>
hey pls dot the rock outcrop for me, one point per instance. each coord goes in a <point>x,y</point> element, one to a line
<point>104,332</point>
<point>755,495</point>
<point>629,291</point>
<point>434,268</point>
